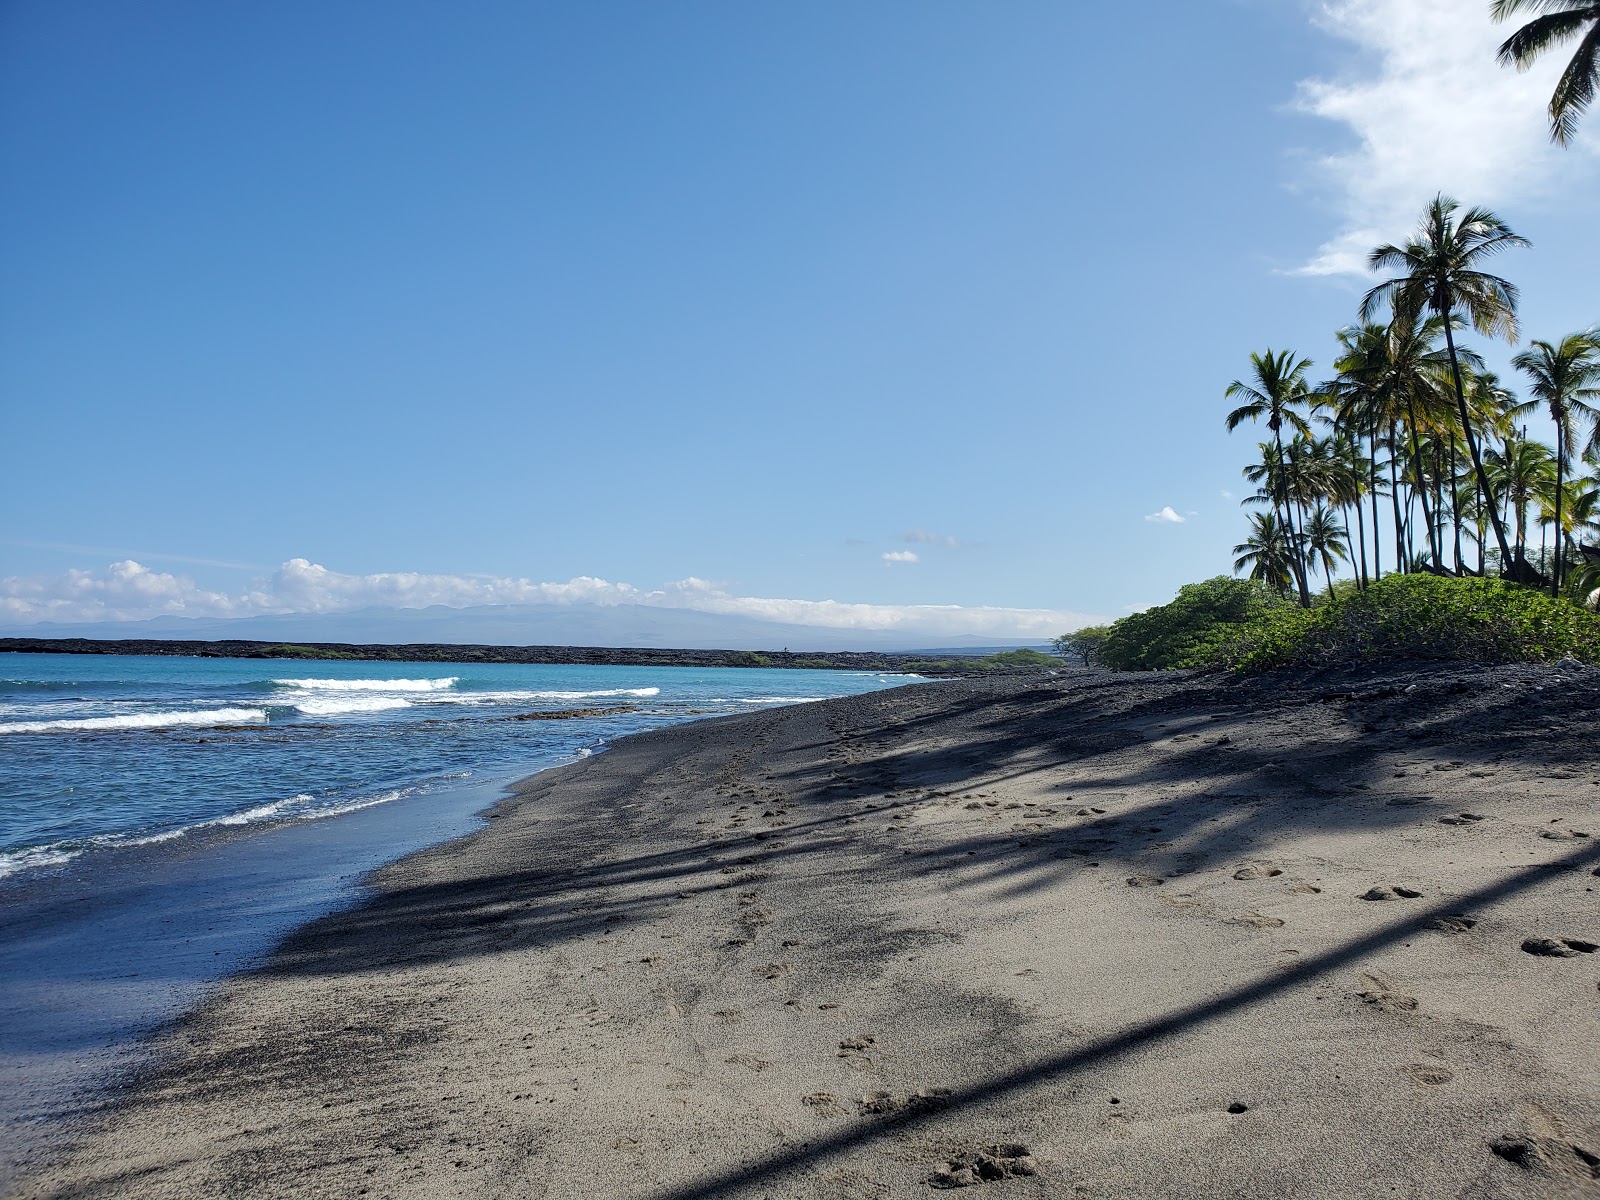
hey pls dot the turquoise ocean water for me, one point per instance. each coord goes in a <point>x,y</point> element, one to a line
<point>100,752</point>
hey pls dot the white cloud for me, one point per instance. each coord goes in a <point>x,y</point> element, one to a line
<point>927,537</point>
<point>1431,110</point>
<point>900,556</point>
<point>1167,516</point>
<point>129,591</point>
<point>1226,494</point>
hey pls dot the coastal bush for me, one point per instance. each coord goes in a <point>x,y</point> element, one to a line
<point>1419,617</point>
<point>1083,646</point>
<point>287,650</point>
<point>1023,657</point>
<point>1194,629</point>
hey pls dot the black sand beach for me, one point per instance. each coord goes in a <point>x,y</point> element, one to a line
<point>1082,935</point>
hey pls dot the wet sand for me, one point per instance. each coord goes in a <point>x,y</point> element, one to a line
<point>1075,936</point>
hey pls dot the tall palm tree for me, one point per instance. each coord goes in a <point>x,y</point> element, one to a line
<point>1560,21</point>
<point>1441,265</point>
<point>1268,553</point>
<point>1277,395</point>
<point>1566,379</point>
<point>1519,474</point>
<point>1357,398</point>
<point>1395,378</point>
<point>1326,540</point>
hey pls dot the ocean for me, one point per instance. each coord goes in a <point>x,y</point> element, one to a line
<point>104,752</point>
<point>164,821</point>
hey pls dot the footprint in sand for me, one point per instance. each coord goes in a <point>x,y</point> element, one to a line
<point>1381,995</point>
<point>1258,870</point>
<point>1429,1073</point>
<point>1256,920</point>
<point>1551,1157</point>
<point>878,1104</point>
<point>1558,947</point>
<point>749,1061</point>
<point>824,1104</point>
<point>985,1165</point>
<point>1461,819</point>
<point>853,1051</point>
<point>1454,923</point>
<point>1563,835</point>
<point>1391,893</point>
<point>1143,880</point>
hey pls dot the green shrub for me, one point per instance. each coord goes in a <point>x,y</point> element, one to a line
<point>1019,658</point>
<point>1084,645</point>
<point>1193,630</point>
<point>1420,617</point>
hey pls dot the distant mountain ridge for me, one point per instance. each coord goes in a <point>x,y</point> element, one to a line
<point>631,625</point>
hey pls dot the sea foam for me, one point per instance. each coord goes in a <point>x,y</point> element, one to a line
<point>371,685</point>
<point>155,720</point>
<point>334,706</point>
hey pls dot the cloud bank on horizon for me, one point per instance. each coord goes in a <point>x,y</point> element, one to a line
<point>1489,145</point>
<point>131,591</point>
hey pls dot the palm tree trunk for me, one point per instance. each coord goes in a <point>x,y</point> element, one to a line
<point>1439,501</point>
<point>1420,487</point>
<point>1466,428</point>
<point>1400,554</point>
<point>1561,458</point>
<point>1455,508</point>
<point>1295,563</point>
<point>1361,536</point>
<point>1372,476</point>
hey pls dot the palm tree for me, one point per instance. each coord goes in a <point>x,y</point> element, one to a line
<point>1278,393</point>
<point>1583,584</point>
<point>1560,22</point>
<point>1326,540</point>
<point>1357,398</point>
<point>1519,474</point>
<point>1441,276</point>
<point>1267,552</point>
<point>1567,379</point>
<point>1391,378</point>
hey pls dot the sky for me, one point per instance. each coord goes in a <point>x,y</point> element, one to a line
<point>913,306</point>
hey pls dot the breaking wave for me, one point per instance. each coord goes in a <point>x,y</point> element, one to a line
<point>209,717</point>
<point>334,706</point>
<point>371,685</point>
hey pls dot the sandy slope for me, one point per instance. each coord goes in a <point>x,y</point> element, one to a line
<point>1082,936</point>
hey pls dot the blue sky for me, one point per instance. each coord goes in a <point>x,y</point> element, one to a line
<point>890,304</point>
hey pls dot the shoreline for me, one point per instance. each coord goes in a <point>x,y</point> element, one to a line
<point>854,947</point>
<point>100,956</point>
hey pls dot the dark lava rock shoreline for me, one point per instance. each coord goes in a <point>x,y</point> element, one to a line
<point>563,655</point>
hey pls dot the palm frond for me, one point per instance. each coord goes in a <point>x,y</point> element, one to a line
<point>1575,91</point>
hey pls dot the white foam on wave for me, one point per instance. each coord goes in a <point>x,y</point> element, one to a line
<point>19,861</point>
<point>778,699</point>
<point>642,693</point>
<point>371,685</point>
<point>334,706</point>
<point>155,720</point>
<point>59,853</point>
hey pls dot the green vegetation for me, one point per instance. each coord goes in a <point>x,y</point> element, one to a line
<point>1413,417</point>
<point>1083,646</point>
<point>291,651</point>
<point>1418,617</point>
<point>1560,21</point>
<point>1194,630</point>
<point>1247,626</point>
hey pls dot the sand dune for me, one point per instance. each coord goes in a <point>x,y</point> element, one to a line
<point>1081,936</point>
